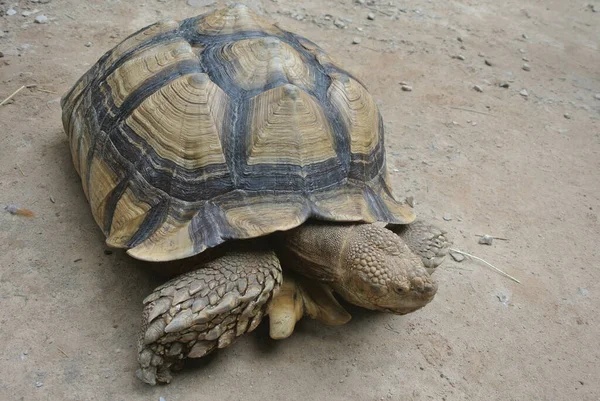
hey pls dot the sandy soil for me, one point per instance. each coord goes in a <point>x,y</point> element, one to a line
<point>494,162</point>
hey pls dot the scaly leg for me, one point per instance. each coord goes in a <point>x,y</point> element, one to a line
<point>430,243</point>
<point>208,308</point>
<point>300,297</point>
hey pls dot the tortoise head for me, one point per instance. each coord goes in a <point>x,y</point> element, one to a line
<point>380,272</point>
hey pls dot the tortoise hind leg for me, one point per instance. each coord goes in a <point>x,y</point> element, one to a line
<point>300,297</point>
<point>427,241</point>
<point>208,308</point>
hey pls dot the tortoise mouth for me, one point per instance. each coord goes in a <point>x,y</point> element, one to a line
<point>410,305</point>
<point>403,311</point>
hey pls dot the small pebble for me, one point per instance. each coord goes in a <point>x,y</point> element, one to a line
<point>524,93</point>
<point>41,19</point>
<point>407,88</point>
<point>522,51</point>
<point>361,2</point>
<point>1,54</point>
<point>597,96</point>
<point>460,57</point>
<point>447,218</point>
<point>12,209</point>
<point>200,3</point>
<point>526,67</point>
<point>504,85</point>
<point>459,39</point>
<point>486,240</point>
<point>524,36</point>
<point>161,399</point>
<point>10,11</point>
<point>526,59</point>
<point>371,16</point>
<point>458,257</point>
<point>356,41</point>
<point>481,54</point>
<point>339,23</point>
<point>567,116</point>
<point>488,62</point>
<point>88,44</point>
<point>478,88</point>
<point>39,384</point>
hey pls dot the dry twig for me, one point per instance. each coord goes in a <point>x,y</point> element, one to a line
<point>487,263</point>
<point>472,111</point>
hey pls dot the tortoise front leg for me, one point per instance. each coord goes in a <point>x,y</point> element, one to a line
<point>427,241</point>
<point>208,308</point>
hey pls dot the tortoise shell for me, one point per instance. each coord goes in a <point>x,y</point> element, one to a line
<point>223,126</point>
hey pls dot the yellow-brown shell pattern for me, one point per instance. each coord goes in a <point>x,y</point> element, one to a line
<point>223,126</point>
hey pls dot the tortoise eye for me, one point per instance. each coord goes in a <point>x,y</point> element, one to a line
<point>400,289</point>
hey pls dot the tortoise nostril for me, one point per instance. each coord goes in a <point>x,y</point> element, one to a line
<point>423,286</point>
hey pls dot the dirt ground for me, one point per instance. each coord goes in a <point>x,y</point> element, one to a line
<point>495,161</point>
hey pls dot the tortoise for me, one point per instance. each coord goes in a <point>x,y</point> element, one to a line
<point>235,147</point>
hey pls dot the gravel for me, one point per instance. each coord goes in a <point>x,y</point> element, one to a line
<point>41,19</point>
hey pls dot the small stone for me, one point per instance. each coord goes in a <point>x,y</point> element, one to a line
<point>460,57</point>
<point>486,240</point>
<point>39,384</point>
<point>524,93</point>
<point>339,23</point>
<point>526,67</point>
<point>567,116</point>
<point>88,44</point>
<point>356,41</point>
<point>488,63</point>
<point>10,11</point>
<point>447,218</point>
<point>481,54</point>
<point>41,19</point>
<point>1,54</point>
<point>361,2</point>
<point>200,3</point>
<point>459,39</point>
<point>458,257</point>
<point>407,88</point>
<point>524,36</point>
<point>526,59</point>
<point>522,51</point>
<point>504,85</point>
<point>477,88</point>
<point>597,97</point>
<point>371,16</point>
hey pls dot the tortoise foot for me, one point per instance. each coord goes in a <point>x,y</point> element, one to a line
<point>429,242</point>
